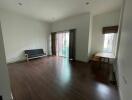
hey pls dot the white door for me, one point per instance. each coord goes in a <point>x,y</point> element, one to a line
<point>4,79</point>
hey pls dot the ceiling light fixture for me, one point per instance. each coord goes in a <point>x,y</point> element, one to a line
<point>20,4</point>
<point>87,3</point>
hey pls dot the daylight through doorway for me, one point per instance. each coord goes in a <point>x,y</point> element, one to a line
<point>62,44</point>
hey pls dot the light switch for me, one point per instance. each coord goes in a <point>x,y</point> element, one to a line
<point>124,79</point>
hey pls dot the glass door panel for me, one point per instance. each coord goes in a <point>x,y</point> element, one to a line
<point>62,44</point>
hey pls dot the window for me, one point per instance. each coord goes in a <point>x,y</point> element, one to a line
<point>109,42</point>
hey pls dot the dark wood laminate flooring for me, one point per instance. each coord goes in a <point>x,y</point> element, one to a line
<point>55,78</point>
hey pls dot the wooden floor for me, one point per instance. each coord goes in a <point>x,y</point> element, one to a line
<point>55,78</point>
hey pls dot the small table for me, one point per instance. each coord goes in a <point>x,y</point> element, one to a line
<point>105,56</point>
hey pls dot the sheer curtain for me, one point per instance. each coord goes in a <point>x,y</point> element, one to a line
<point>62,44</point>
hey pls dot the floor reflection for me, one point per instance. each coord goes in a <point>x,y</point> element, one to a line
<point>103,90</point>
<point>65,73</point>
<point>55,78</point>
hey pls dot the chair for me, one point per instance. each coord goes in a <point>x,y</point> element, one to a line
<point>94,61</point>
<point>95,58</point>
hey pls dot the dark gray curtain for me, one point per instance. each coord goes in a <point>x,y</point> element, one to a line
<point>72,44</point>
<point>0,97</point>
<point>53,43</point>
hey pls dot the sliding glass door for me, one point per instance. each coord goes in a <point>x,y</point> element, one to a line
<point>62,44</point>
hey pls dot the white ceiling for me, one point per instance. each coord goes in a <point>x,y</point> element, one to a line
<point>53,10</point>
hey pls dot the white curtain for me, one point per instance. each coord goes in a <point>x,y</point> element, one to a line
<point>62,44</point>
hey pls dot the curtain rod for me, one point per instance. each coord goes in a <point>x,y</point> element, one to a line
<point>63,31</point>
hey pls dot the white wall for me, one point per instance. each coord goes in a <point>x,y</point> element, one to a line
<point>100,21</point>
<point>90,37</point>
<point>4,80</point>
<point>81,23</point>
<point>20,33</point>
<point>125,54</point>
